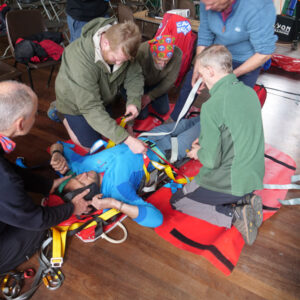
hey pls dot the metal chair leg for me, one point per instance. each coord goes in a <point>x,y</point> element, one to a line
<point>30,78</point>
<point>50,76</point>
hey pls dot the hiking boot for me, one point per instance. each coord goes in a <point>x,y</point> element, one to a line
<point>256,204</point>
<point>257,207</point>
<point>52,112</point>
<point>244,223</point>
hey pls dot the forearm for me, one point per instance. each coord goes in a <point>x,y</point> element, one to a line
<point>199,49</point>
<point>251,64</point>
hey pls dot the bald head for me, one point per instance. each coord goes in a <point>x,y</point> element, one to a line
<point>16,100</point>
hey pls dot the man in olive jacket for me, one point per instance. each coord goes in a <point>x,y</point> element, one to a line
<point>93,69</point>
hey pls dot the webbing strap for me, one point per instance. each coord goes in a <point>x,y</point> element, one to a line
<point>59,234</point>
<point>174,149</point>
<point>291,186</point>
<point>184,110</point>
<point>294,201</point>
<point>282,186</point>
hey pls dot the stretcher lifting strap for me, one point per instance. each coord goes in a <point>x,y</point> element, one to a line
<point>183,112</point>
<point>291,186</point>
<point>59,234</point>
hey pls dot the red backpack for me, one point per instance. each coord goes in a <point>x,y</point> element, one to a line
<point>180,28</point>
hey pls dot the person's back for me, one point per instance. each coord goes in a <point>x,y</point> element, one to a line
<point>230,148</point>
<point>234,163</point>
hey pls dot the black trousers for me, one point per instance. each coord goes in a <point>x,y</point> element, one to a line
<point>18,245</point>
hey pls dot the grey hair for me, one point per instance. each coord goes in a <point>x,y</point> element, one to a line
<point>216,56</point>
<point>16,100</point>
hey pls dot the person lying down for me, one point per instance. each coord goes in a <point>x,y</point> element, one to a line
<point>117,174</point>
<point>114,175</point>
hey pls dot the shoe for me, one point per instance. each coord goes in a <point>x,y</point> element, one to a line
<point>52,112</point>
<point>244,223</point>
<point>256,204</point>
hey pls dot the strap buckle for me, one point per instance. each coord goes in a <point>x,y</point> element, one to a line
<point>56,262</point>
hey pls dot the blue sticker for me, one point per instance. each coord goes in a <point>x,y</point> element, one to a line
<point>183,27</point>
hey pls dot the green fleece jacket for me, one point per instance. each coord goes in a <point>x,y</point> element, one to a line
<point>231,139</point>
<point>85,87</point>
<point>162,80</point>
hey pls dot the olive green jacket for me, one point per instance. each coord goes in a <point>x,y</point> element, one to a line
<point>85,85</point>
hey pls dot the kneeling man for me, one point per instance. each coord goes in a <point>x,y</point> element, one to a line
<point>231,149</point>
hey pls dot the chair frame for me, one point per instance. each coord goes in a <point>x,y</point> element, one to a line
<point>29,66</point>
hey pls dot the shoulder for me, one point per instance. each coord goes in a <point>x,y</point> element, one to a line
<point>256,6</point>
<point>177,52</point>
<point>8,175</point>
<point>143,50</point>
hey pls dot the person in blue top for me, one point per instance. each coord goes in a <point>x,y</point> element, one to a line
<point>117,171</point>
<point>245,27</point>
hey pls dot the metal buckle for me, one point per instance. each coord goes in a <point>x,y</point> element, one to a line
<point>56,262</point>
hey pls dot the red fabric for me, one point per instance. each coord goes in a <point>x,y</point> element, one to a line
<point>221,246</point>
<point>53,50</point>
<point>289,64</point>
<point>180,28</point>
<point>151,122</point>
<point>261,93</point>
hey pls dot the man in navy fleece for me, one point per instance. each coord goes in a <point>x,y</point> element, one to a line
<point>23,224</point>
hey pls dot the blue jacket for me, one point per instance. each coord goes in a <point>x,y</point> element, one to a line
<point>123,172</point>
<point>249,29</point>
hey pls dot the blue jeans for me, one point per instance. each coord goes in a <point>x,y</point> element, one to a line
<point>186,132</point>
<point>160,105</point>
<point>85,134</point>
<point>75,27</point>
<point>248,79</point>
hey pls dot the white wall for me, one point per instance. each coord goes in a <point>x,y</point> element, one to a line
<point>278,5</point>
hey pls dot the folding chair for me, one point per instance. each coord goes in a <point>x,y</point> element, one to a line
<point>8,72</point>
<point>24,23</point>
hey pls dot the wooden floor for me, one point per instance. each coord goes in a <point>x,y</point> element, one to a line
<point>146,266</point>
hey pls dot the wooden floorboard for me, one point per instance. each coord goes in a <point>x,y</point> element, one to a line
<point>146,266</point>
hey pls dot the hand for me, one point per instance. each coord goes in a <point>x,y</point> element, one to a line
<point>102,203</point>
<point>145,101</point>
<point>81,206</point>
<point>136,145</point>
<point>132,111</point>
<point>59,163</point>
<point>193,153</point>
<point>58,182</point>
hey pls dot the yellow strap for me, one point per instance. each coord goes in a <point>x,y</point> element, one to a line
<point>110,143</point>
<point>146,173</point>
<point>169,172</point>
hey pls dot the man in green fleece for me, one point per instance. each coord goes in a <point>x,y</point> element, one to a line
<point>93,69</point>
<point>231,149</point>
<point>160,60</point>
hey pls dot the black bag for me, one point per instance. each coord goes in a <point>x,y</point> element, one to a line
<point>285,28</point>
